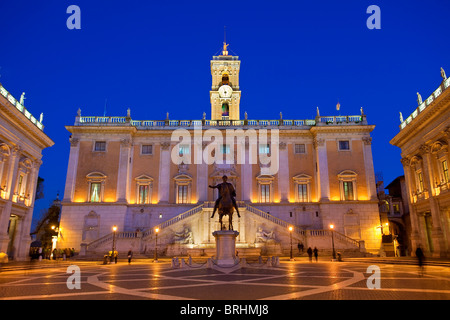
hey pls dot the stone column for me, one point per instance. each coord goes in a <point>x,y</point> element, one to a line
<point>246,173</point>
<point>322,169</point>
<point>368,168</point>
<point>436,233</point>
<point>5,212</point>
<point>72,167</point>
<point>202,174</point>
<point>283,173</point>
<point>415,235</point>
<point>164,173</point>
<point>123,181</point>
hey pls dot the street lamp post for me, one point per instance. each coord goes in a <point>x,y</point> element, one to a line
<point>290,234</point>
<point>155,259</point>
<point>113,244</point>
<point>332,241</point>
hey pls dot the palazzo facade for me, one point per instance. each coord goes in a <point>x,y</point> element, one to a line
<point>140,175</point>
<point>21,143</point>
<point>424,140</point>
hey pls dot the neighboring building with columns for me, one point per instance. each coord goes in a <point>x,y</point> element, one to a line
<point>21,143</point>
<point>424,140</point>
<point>142,174</point>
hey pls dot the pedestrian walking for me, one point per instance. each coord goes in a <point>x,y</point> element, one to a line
<point>310,252</point>
<point>130,255</point>
<point>420,259</point>
<point>316,253</point>
<point>300,247</point>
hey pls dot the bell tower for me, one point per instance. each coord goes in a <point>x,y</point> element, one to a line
<point>225,94</point>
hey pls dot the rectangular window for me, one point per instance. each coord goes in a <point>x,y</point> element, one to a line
<point>344,145</point>
<point>420,178</point>
<point>182,194</point>
<point>95,192</point>
<point>348,190</point>
<point>100,146</point>
<point>299,149</point>
<point>265,193</point>
<point>19,184</point>
<point>183,149</point>
<point>264,149</point>
<point>143,194</point>
<point>302,190</point>
<point>445,170</point>
<point>147,149</point>
<point>225,149</point>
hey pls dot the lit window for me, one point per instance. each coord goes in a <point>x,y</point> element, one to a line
<point>143,194</point>
<point>225,149</point>
<point>302,183</point>
<point>299,149</point>
<point>445,170</point>
<point>183,149</point>
<point>96,181</point>
<point>302,192</point>
<point>420,180</point>
<point>348,190</point>
<point>100,146</point>
<point>182,194</point>
<point>265,193</point>
<point>347,185</point>
<point>183,185</point>
<point>264,148</point>
<point>344,145</point>
<point>95,192</point>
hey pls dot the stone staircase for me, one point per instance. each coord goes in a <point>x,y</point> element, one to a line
<point>310,238</point>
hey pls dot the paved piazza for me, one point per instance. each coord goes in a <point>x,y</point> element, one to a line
<point>143,279</point>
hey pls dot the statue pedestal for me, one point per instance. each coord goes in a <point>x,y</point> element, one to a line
<point>225,247</point>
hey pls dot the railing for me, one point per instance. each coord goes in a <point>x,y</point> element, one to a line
<point>20,107</point>
<point>444,86</point>
<point>161,124</point>
<point>210,204</point>
<point>165,224</point>
<point>109,238</point>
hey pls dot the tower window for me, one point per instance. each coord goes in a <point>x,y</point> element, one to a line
<point>225,110</point>
<point>225,79</point>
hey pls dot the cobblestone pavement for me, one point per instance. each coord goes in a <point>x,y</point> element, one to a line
<point>142,279</point>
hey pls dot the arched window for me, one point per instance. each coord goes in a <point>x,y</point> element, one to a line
<point>225,79</point>
<point>225,109</point>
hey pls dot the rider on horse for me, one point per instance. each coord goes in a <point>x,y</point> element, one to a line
<point>221,187</point>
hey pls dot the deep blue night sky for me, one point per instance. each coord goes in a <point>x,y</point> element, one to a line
<point>154,57</point>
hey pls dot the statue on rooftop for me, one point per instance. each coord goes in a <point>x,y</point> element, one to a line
<point>401,117</point>
<point>22,98</point>
<point>443,75</point>
<point>419,99</point>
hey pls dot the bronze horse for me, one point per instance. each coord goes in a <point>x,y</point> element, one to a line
<point>225,204</point>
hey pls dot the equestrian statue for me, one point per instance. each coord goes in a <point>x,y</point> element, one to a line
<point>226,202</point>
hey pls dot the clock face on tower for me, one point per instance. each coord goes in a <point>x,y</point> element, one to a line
<point>225,91</point>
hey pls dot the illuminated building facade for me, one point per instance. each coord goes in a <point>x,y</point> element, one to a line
<point>143,174</point>
<point>21,143</point>
<point>424,140</point>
